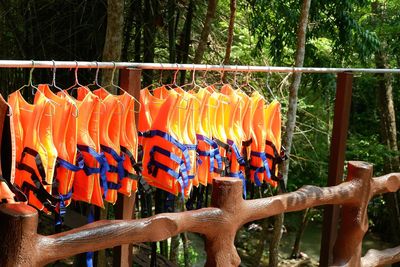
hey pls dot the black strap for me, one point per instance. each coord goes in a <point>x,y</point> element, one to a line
<point>38,161</point>
<point>221,144</point>
<point>247,142</point>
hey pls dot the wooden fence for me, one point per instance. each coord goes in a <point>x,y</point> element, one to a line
<point>20,245</point>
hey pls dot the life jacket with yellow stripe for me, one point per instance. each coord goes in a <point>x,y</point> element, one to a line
<point>235,136</point>
<point>207,148</point>
<point>36,154</point>
<point>64,136</point>
<point>218,116</point>
<point>165,159</point>
<point>89,181</point>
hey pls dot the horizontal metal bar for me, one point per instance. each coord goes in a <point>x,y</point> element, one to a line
<point>175,66</point>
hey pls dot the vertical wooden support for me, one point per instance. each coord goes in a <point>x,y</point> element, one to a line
<point>354,217</point>
<point>336,162</point>
<point>18,238</point>
<point>130,81</point>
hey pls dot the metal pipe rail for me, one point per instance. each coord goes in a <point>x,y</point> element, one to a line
<point>20,245</point>
<point>176,66</point>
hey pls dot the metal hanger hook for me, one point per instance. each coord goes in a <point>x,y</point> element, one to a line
<point>76,73</point>
<point>53,82</point>
<point>31,73</point>
<point>176,74</point>
<point>113,73</point>
<point>96,77</point>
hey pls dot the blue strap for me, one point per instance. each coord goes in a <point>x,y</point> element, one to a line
<point>262,169</point>
<point>69,166</point>
<point>153,166</point>
<point>119,159</point>
<point>213,153</point>
<point>235,149</point>
<point>102,170</point>
<point>240,175</point>
<point>62,207</point>
<point>89,255</point>
<point>172,140</point>
<point>182,167</point>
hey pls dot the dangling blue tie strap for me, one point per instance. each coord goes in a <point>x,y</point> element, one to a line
<point>235,149</point>
<point>262,169</point>
<point>240,175</point>
<point>212,153</point>
<point>62,207</point>
<point>119,159</point>
<point>102,170</point>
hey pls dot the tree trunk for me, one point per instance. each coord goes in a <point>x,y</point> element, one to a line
<point>114,35</point>
<point>185,39</point>
<point>304,222</point>
<point>261,243</point>
<point>174,250</point>
<point>149,33</point>
<point>389,138</point>
<point>171,30</point>
<point>230,32</point>
<point>138,29</point>
<point>128,26</point>
<point>388,130</point>
<point>212,6</point>
<point>290,123</point>
<point>229,40</point>
<point>185,242</point>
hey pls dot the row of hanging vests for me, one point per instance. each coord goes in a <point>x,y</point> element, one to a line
<point>81,149</point>
<point>189,138</point>
<point>86,148</point>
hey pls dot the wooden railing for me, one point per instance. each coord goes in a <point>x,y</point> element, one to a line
<point>20,245</point>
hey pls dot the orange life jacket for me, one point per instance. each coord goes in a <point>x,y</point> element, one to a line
<point>89,181</point>
<point>150,105</point>
<point>128,144</point>
<point>165,159</point>
<point>35,151</point>
<point>207,148</point>
<point>110,129</point>
<point>218,117</point>
<point>273,141</point>
<point>64,137</point>
<point>258,159</point>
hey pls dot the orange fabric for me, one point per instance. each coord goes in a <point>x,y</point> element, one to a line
<point>87,187</point>
<point>273,133</point>
<point>64,136</point>
<point>202,122</point>
<point>258,133</point>
<point>150,105</point>
<point>33,130</point>
<point>129,140</point>
<point>5,193</point>
<point>110,129</point>
<point>163,122</point>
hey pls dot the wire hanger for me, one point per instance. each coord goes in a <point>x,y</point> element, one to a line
<point>174,84</point>
<point>267,85</point>
<point>53,84</point>
<point>30,84</point>
<point>76,79</point>
<point>156,84</point>
<point>193,81</point>
<point>112,84</point>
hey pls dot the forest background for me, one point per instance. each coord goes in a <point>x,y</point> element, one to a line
<point>339,33</point>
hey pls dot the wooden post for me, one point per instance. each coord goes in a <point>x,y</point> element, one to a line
<point>226,195</point>
<point>354,219</point>
<point>336,162</point>
<point>130,81</point>
<point>18,238</point>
